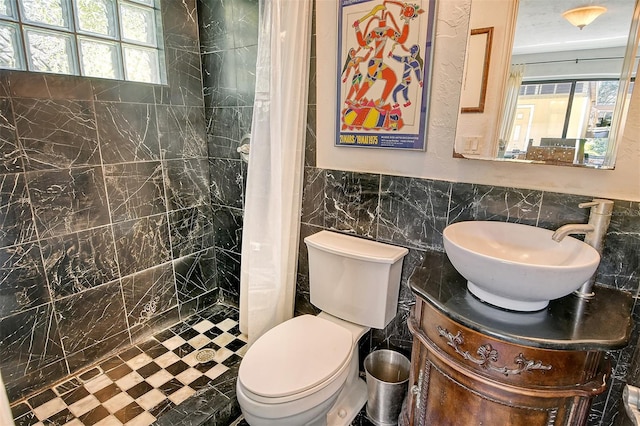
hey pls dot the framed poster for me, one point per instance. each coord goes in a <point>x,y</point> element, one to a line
<point>476,70</point>
<point>384,70</point>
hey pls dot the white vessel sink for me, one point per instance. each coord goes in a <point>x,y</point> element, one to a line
<point>517,267</point>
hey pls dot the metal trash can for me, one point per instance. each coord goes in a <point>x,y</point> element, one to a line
<point>387,374</point>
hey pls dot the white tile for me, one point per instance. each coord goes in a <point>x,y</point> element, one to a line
<point>188,375</point>
<point>129,381</point>
<point>227,324</point>
<point>110,420</point>
<point>117,402</point>
<point>216,371</point>
<point>174,342</point>
<point>97,383</point>
<point>181,395</point>
<point>159,378</point>
<point>203,326</point>
<point>243,350</point>
<point>139,361</point>
<point>151,399</point>
<point>84,405</point>
<point>74,422</point>
<point>50,408</point>
<point>243,337</point>
<point>144,419</point>
<point>199,341</point>
<point>167,359</point>
<point>222,354</point>
<point>224,339</point>
<point>191,359</point>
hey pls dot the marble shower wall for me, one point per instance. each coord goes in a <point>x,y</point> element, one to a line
<point>229,47</point>
<point>107,226</point>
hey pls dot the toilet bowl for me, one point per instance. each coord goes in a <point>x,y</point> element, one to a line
<point>305,371</point>
<point>313,371</point>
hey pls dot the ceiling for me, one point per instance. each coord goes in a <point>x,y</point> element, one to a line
<point>541,27</point>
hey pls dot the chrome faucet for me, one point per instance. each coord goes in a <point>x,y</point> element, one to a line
<point>595,230</point>
<point>571,228</point>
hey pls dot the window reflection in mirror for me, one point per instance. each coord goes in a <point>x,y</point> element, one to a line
<point>567,90</point>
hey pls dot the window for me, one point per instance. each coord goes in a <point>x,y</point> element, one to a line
<point>116,39</point>
<point>564,112</point>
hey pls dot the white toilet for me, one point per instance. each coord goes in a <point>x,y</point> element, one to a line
<point>305,370</point>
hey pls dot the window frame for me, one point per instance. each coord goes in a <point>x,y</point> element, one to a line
<point>23,59</point>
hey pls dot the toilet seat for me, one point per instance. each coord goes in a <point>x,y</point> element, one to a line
<point>311,353</point>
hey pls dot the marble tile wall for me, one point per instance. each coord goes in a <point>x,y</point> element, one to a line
<point>107,227</point>
<point>229,47</point>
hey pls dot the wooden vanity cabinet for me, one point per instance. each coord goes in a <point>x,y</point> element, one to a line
<point>463,377</point>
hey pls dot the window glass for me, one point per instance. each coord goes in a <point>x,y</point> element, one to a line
<point>50,52</point>
<point>10,56</point>
<point>6,9</point>
<point>96,16</point>
<point>137,24</point>
<point>99,59</point>
<point>115,39</point>
<point>141,64</point>
<point>48,12</point>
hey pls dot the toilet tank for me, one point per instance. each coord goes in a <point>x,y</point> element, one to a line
<point>354,279</point>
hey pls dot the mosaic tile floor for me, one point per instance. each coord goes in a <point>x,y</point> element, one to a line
<point>172,378</point>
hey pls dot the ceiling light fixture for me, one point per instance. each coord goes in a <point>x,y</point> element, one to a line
<point>583,16</point>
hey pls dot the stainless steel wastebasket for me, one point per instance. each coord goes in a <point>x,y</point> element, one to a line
<point>387,374</point>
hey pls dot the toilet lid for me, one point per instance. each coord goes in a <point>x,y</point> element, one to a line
<point>295,356</point>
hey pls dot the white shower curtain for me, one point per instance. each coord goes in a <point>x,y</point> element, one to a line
<point>511,102</point>
<point>274,183</point>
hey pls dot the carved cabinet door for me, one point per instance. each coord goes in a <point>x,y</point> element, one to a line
<point>461,377</point>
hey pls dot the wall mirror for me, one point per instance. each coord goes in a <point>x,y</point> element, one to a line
<point>565,92</point>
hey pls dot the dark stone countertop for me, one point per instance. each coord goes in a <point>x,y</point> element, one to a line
<point>568,323</point>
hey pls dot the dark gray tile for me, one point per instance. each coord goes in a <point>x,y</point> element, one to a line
<point>482,202</point>
<point>135,190</point>
<point>122,91</point>
<point>191,230</point>
<point>142,243</point>
<point>29,342</point>
<point>216,25</point>
<point>187,183</point>
<point>226,182</point>
<point>10,151</point>
<point>91,316</point>
<point>184,78</point>
<point>246,74</point>
<point>56,134</point>
<point>149,293</point>
<point>49,86</point>
<point>228,274</point>
<point>179,22</point>
<point>219,79</point>
<point>17,220</point>
<point>351,202</point>
<point>182,131</point>
<point>227,223</point>
<point>195,274</point>
<point>413,212</point>
<point>313,199</point>
<point>67,201</point>
<point>223,132</point>
<point>128,132</point>
<point>79,261</point>
<point>245,23</point>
